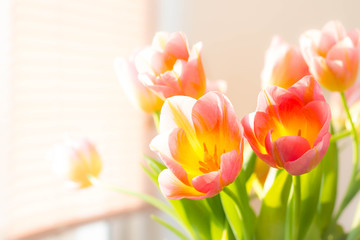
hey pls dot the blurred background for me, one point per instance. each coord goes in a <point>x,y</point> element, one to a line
<point>57,79</point>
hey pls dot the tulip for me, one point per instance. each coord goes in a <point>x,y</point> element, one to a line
<point>76,161</point>
<point>290,128</point>
<point>340,120</point>
<point>201,144</point>
<point>284,64</point>
<point>139,95</point>
<point>169,68</point>
<point>332,55</point>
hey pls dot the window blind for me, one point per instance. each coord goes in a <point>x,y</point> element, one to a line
<point>57,79</point>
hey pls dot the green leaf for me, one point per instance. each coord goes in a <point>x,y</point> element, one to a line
<point>354,234</point>
<point>328,187</point>
<point>227,233</point>
<point>232,213</point>
<point>218,223</point>
<point>216,209</point>
<point>194,216</point>
<point>270,224</point>
<point>248,166</point>
<point>310,193</point>
<point>155,165</point>
<point>170,227</point>
<point>153,176</point>
<point>240,215</point>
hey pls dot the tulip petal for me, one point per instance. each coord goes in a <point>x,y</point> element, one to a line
<point>252,140</point>
<point>272,95</point>
<point>331,33</point>
<point>263,123</point>
<point>173,188</point>
<point>354,35</point>
<point>191,73</point>
<point>231,163</point>
<point>160,144</point>
<point>176,113</point>
<point>307,90</point>
<point>318,115</point>
<point>284,64</point>
<point>274,159</point>
<point>290,148</point>
<point>151,61</point>
<point>247,123</point>
<point>165,85</point>
<point>310,159</point>
<point>347,55</point>
<point>177,110</point>
<point>214,113</point>
<point>184,153</point>
<point>208,183</point>
<point>177,46</point>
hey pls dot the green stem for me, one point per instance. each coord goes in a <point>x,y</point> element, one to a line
<point>244,211</point>
<point>346,199</point>
<point>340,135</point>
<point>294,209</point>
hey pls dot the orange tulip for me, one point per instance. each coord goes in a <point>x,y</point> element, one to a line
<point>169,68</point>
<point>76,160</point>
<point>284,64</point>
<point>332,55</point>
<point>136,91</point>
<point>201,143</point>
<point>290,128</point>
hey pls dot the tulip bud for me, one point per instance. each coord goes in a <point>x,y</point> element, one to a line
<point>284,64</point>
<point>169,68</point>
<point>332,55</point>
<point>76,161</point>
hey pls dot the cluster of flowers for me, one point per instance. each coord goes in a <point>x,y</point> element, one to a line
<point>201,140</point>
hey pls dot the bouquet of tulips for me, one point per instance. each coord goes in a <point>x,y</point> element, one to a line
<point>213,167</point>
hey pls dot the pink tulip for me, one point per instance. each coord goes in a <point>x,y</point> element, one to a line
<point>169,68</point>
<point>136,91</point>
<point>75,161</point>
<point>201,143</point>
<point>284,64</point>
<point>332,55</point>
<point>290,128</point>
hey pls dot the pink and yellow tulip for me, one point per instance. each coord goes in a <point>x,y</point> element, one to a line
<point>332,55</point>
<point>75,161</point>
<point>136,91</point>
<point>284,64</point>
<point>201,143</point>
<point>169,68</point>
<point>290,128</point>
